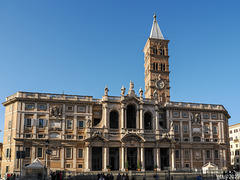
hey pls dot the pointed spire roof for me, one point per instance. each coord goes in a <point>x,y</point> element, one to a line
<point>156,32</point>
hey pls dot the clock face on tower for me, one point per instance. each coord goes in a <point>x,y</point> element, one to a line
<point>160,84</point>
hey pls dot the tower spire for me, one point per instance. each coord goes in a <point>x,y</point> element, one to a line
<point>156,32</point>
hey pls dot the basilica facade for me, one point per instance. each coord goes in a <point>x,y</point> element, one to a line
<point>130,131</point>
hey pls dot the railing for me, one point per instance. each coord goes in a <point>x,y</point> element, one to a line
<point>195,105</point>
<point>50,96</point>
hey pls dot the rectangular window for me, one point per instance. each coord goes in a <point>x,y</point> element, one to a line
<point>8,153</point>
<point>80,166</point>
<point>40,152</point>
<point>185,115</point>
<point>205,116</point>
<point>185,129</point>
<point>231,132</point>
<point>207,140</point>
<point>7,169</point>
<point>215,140</point>
<point>186,139</point>
<point>29,106</point>
<point>175,114</point>
<point>186,153</point>
<point>208,154</point>
<point>68,153</point>
<point>236,145</point>
<point>28,135</point>
<point>177,154</point>
<point>81,109</point>
<point>231,138</point>
<point>214,116</point>
<point>28,122</point>
<point>69,108</point>
<point>80,153</point>
<point>187,165</point>
<point>40,123</point>
<point>69,124</point>
<point>80,137</point>
<point>216,154</point>
<point>206,128</point>
<point>9,124</point>
<point>69,136</point>
<point>237,152</point>
<point>81,124</point>
<point>215,130</point>
<point>68,165</point>
<point>42,107</point>
<point>27,152</point>
<point>175,128</point>
<point>40,136</point>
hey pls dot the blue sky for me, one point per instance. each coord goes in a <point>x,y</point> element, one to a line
<point>79,47</point>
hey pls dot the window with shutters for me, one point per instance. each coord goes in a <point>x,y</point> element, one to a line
<point>69,124</point>
<point>185,129</point>
<point>41,123</point>
<point>208,154</point>
<point>28,122</point>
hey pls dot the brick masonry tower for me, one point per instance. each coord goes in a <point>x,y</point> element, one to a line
<point>156,65</point>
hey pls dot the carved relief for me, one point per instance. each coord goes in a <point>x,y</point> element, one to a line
<point>196,118</point>
<point>56,111</point>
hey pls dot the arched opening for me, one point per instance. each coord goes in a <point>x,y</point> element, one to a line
<point>196,139</point>
<point>114,120</point>
<point>147,121</point>
<point>154,50</point>
<point>131,117</point>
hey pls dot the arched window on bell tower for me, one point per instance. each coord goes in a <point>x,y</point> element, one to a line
<point>114,120</point>
<point>163,67</point>
<point>154,50</point>
<point>147,121</point>
<point>131,117</point>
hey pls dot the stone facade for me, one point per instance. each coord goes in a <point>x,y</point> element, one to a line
<point>234,135</point>
<point>87,134</point>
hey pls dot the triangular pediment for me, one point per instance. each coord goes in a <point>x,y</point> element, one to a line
<point>133,137</point>
<point>96,138</point>
<point>131,99</point>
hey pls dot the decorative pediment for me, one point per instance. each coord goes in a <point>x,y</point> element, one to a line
<point>166,139</point>
<point>96,136</point>
<point>131,100</point>
<point>132,137</point>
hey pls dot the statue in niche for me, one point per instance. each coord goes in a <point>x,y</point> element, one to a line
<point>56,111</point>
<point>196,118</point>
<point>88,123</point>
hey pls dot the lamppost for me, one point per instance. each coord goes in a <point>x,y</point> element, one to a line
<point>45,162</point>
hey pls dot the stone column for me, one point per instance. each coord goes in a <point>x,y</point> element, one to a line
<point>142,158</point>
<point>62,158</point>
<point>191,156</point>
<point>122,116</point>
<point>203,133</point>
<point>87,159</point>
<point>182,158</point>
<point>105,157</point>
<point>204,157</point>
<point>35,123</point>
<point>47,126</point>
<point>223,139</point>
<point>74,157</point>
<point>105,118</point>
<point>181,130</point>
<point>173,159</point>
<point>219,132</point>
<point>221,158</point>
<point>141,117</point>
<point>212,156</point>
<point>190,131</point>
<point>22,124</point>
<point>210,131</point>
<point>158,159</point>
<point>157,119</point>
<point>137,119</point>
<point>169,116</point>
<point>75,127</point>
<point>33,154</point>
<point>122,157</point>
<point>224,158</point>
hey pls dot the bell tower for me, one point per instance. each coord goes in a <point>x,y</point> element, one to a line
<point>156,65</point>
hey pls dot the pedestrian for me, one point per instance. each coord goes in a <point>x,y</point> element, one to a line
<point>119,176</point>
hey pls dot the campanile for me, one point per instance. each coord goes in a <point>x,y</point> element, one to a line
<point>156,65</point>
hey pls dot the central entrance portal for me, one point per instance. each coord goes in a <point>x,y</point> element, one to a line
<point>132,158</point>
<point>164,155</point>
<point>96,158</point>
<point>114,158</point>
